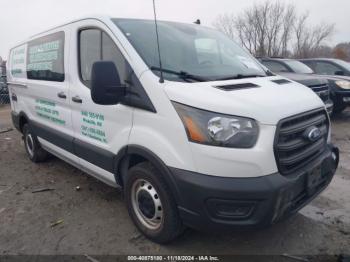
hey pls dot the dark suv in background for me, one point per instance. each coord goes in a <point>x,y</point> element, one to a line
<point>337,72</point>
<point>302,74</point>
<point>328,66</point>
<point>4,94</point>
<point>3,82</point>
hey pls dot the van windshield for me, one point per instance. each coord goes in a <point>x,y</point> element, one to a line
<point>189,52</point>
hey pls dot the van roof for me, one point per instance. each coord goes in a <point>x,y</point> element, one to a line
<point>102,18</point>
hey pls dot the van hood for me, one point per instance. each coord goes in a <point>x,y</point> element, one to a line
<point>267,103</point>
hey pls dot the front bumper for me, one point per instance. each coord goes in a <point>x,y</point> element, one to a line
<point>209,202</point>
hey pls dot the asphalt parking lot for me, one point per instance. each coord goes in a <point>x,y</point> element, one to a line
<point>94,219</point>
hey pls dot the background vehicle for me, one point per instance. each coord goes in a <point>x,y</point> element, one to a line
<point>4,94</point>
<point>337,72</point>
<point>300,73</point>
<point>208,140</point>
<point>328,66</point>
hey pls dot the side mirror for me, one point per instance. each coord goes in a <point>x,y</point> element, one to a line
<point>339,73</point>
<point>106,87</point>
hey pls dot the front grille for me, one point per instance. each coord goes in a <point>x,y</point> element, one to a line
<point>322,91</point>
<point>293,149</point>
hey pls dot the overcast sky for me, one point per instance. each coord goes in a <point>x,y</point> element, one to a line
<point>20,19</point>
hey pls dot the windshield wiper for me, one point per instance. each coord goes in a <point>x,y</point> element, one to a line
<point>182,74</point>
<point>239,76</point>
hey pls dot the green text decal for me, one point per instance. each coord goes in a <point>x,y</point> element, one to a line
<point>47,110</point>
<point>42,56</point>
<point>92,126</point>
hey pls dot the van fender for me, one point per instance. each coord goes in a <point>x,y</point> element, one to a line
<point>124,158</point>
<point>19,119</point>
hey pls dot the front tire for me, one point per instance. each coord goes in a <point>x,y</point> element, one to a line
<point>150,204</point>
<point>33,148</point>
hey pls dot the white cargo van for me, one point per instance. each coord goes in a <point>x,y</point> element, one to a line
<point>207,139</point>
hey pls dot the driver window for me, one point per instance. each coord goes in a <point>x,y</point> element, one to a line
<point>90,52</point>
<point>110,52</point>
<point>95,45</point>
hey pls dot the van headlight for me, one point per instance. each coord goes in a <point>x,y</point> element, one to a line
<point>217,129</point>
<point>343,84</point>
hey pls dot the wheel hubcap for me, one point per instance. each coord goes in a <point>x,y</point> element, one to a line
<point>30,144</point>
<point>147,204</point>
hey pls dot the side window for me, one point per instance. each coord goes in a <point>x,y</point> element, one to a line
<point>90,51</point>
<point>45,58</point>
<point>324,68</point>
<point>95,45</point>
<point>18,64</point>
<point>275,67</point>
<point>110,52</point>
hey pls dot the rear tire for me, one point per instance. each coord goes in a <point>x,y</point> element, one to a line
<point>151,205</point>
<point>33,148</point>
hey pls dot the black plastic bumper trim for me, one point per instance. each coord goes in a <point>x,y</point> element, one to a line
<point>272,198</point>
<point>53,136</point>
<point>93,154</point>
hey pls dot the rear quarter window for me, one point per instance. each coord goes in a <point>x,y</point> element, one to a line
<point>45,58</point>
<point>17,62</point>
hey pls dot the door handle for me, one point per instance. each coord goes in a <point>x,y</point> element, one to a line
<point>77,99</point>
<point>62,95</point>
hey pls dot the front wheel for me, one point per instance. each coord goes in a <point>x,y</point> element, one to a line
<point>151,205</point>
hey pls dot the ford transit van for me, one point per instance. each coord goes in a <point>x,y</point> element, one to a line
<point>198,135</point>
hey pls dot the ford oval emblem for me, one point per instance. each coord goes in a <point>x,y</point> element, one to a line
<point>313,134</point>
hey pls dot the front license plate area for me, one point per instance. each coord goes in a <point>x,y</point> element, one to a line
<point>314,179</point>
